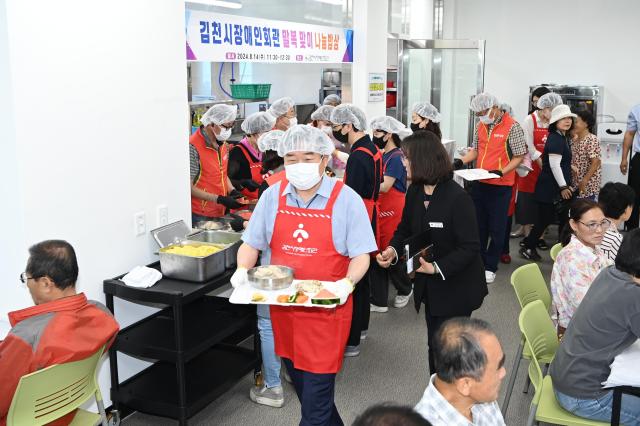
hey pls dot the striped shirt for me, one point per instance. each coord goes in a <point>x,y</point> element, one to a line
<point>611,242</point>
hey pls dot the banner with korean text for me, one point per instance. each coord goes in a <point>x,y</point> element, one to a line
<point>214,37</point>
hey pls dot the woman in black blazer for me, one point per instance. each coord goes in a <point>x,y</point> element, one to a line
<point>453,284</point>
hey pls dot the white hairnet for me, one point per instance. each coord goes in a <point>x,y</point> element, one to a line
<point>387,124</point>
<point>305,139</point>
<point>506,108</point>
<point>281,106</point>
<point>426,110</point>
<point>483,101</point>
<point>219,114</point>
<point>349,114</point>
<point>549,100</point>
<point>331,99</point>
<point>403,133</point>
<point>270,140</point>
<point>323,113</point>
<point>258,122</point>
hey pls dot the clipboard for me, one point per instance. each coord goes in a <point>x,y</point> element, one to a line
<point>417,246</point>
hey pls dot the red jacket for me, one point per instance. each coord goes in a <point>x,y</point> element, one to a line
<point>68,329</point>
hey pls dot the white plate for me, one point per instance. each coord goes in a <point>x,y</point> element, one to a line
<point>242,295</point>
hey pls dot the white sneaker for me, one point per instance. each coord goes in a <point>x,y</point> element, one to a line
<point>401,301</point>
<point>376,308</point>
<point>273,397</point>
<point>489,276</point>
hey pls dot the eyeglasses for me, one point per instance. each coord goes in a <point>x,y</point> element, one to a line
<point>593,226</point>
<point>224,126</point>
<point>24,278</point>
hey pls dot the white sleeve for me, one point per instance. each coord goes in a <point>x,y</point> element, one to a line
<point>527,126</point>
<point>554,163</point>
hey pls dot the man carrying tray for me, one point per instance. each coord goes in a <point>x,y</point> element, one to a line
<point>320,228</point>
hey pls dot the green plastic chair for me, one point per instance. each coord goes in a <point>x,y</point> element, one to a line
<point>541,339</point>
<point>529,285</point>
<point>554,251</point>
<point>48,394</point>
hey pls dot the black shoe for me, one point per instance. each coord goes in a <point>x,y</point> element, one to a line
<point>542,245</point>
<point>530,254</point>
<point>522,242</point>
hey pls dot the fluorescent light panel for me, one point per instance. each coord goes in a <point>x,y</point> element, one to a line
<point>219,3</point>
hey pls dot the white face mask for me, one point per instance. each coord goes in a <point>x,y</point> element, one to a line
<point>486,119</point>
<point>224,134</point>
<point>303,175</point>
<point>293,121</point>
<point>327,129</point>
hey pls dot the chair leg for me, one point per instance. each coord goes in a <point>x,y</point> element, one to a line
<point>532,415</point>
<point>512,379</point>
<point>101,410</point>
<point>527,383</point>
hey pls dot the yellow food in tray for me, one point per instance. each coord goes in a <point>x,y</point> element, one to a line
<point>193,251</point>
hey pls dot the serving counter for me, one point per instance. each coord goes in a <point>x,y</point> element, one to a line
<point>194,343</point>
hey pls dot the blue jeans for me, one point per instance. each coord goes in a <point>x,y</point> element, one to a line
<point>270,361</point>
<point>600,409</point>
<point>492,206</point>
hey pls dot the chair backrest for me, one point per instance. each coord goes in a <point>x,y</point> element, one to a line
<point>540,335</point>
<point>554,251</point>
<point>50,393</point>
<point>529,285</point>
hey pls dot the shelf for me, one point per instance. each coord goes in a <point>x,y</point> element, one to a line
<point>206,322</point>
<point>391,89</point>
<point>166,291</point>
<point>155,389</point>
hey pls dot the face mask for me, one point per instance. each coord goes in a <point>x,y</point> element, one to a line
<point>379,141</point>
<point>303,175</point>
<point>415,127</point>
<point>486,119</point>
<point>293,121</point>
<point>340,137</point>
<point>327,130</point>
<point>224,134</point>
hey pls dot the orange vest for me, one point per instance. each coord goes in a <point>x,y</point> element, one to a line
<point>493,150</point>
<point>212,177</point>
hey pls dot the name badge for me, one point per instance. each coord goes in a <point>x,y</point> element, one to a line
<point>436,225</point>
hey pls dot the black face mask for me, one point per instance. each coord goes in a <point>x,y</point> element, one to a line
<point>340,137</point>
<point>415,127</point>
<point>379,142</point>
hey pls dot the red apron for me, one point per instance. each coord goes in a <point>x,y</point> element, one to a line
<point>391,205</point>
<point>276,177</point>
<point>372,204</point>
<point>255,167</point>
<point>528,183</point>
<point>493,150</point>
<point>213,175</point>
<point>314,339</point>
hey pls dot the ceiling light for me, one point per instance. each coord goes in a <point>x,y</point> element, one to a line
<point>219,3</point>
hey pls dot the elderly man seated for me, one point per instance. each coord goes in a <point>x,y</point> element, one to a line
<point>606,322</point>
<point>62,327</point>
<point>469,370</point>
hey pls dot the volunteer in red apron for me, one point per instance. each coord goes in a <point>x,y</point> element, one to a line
<point>317,226</point>
<point>245,159</point>
<point>387,134</point>
<point>211,190</point>
<point>321,119</point>
<point>535,127</point>
<point>498,146</point>
<point>363,174</point>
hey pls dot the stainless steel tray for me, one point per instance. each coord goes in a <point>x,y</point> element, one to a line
<point>230,239</point>
<point>270,283</point>
<point>190,268</point>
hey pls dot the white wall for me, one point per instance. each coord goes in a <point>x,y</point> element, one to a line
<point>549,41</point>
<point>100,118</point>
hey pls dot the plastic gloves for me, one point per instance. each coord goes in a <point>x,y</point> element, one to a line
<point>239,277</point>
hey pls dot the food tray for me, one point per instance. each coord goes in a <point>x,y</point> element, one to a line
<point>242,295</point>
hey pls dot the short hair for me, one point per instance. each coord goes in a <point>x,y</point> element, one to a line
<point>539,91</point>
<point>628,259</point>
<point>55,259</point>
<point>390,415</point>
<point>615,197</point>
<point>429,161</point>
<point>588,118</point>
<point>458,352</point>
<point>578,208</point>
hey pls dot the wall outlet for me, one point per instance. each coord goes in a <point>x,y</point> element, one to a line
<point>162,215</point>
<point>139,223</point>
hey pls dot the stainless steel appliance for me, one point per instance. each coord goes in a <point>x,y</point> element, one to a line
<point>577,97</point>
<point>331,83</point>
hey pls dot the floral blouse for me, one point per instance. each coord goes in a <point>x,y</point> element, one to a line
<point>573,272</point>
<point>582,152</point>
